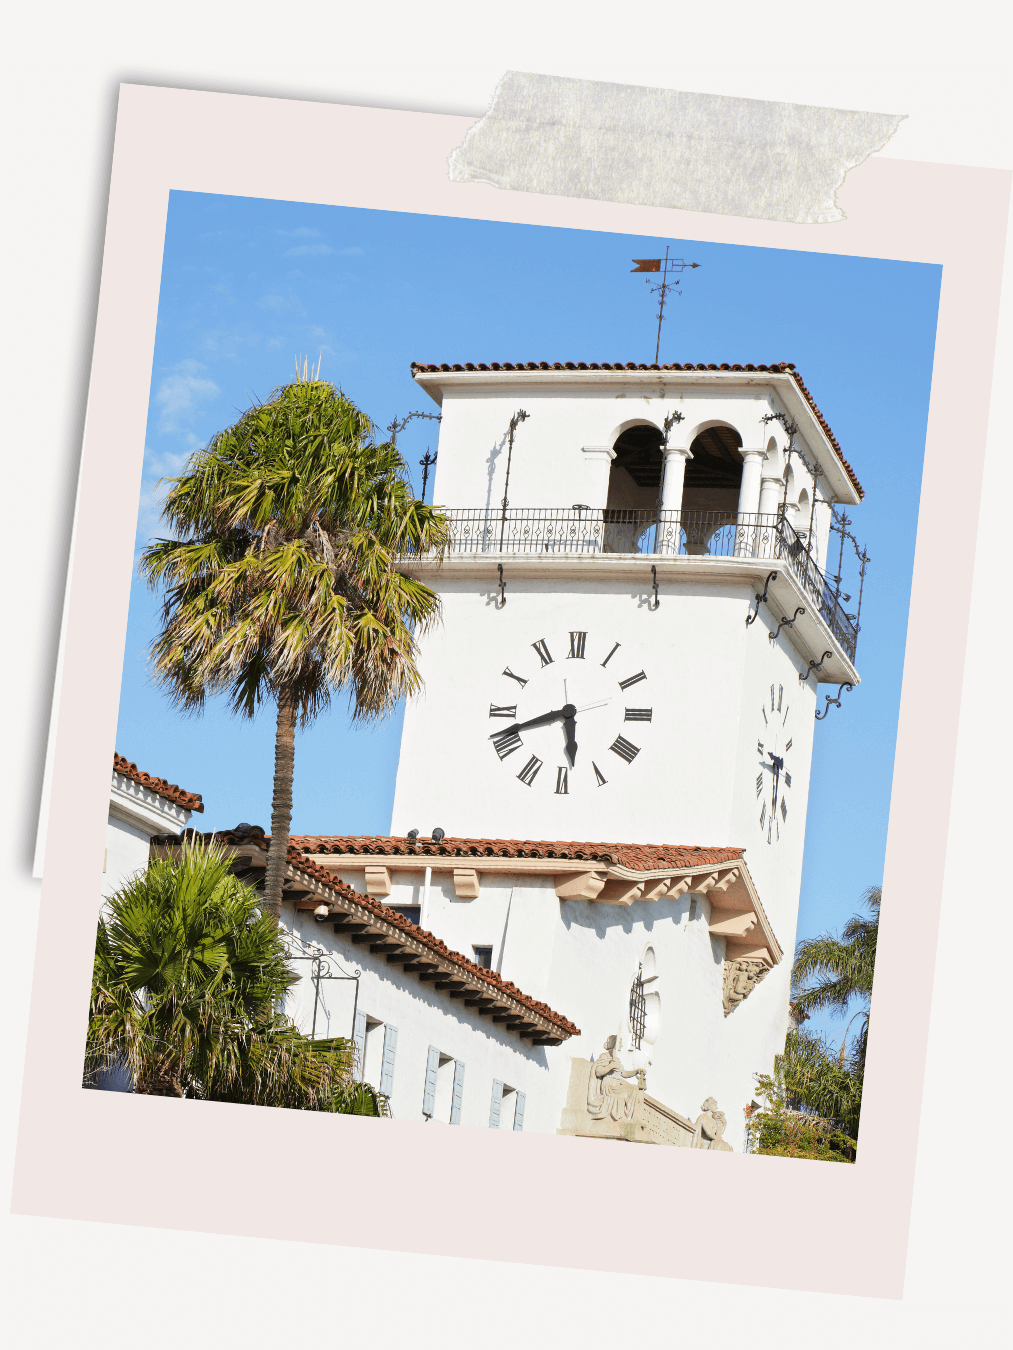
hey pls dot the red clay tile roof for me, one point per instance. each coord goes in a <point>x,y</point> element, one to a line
<point>190,801</point>
<point>775,367</point>
<point>253,834</point>
<point>644,857</point>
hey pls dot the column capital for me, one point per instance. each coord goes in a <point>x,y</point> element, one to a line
<point>753,454</point>
<point>683,450</point>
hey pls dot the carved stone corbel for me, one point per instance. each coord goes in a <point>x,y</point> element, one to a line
<point>579,886</point>
<point>740,979</point>
<point>733,925</point>
<point>466,883</point>
<point>377,879</point>
<point>620,893</point>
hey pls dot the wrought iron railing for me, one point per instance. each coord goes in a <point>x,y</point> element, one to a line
<point>714,534</point>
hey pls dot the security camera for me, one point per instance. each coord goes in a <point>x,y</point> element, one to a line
<point>321,913</point>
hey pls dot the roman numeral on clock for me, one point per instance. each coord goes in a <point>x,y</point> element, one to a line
<point>780,696</point>
<point>611,654</point>
<point>509,673</point>
<point>759,748</point>
<point>625,749</point>
<point>561,783</point>
<point>508,710</point>
<point>788,746</point>
<point>505,743</point>
<point>633,679</point>
<point>602,780</point>
<point>543,652</point>
<point>638,714</point>
<point>784,809</point>
<point>528,773</point>
<point>577,641</point>
<point>787,778</point>
<point>759,783</point>
<point>763,814</point>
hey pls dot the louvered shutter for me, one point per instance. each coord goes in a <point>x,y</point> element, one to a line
<point>497,1102</point>
<point>359,1037</point>
<point>389,1050</point>
<point>519,1112</point>
<point>455,1109</point>
<point>429,1096</point>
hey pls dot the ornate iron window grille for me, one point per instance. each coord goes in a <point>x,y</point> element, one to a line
<point>638,1008</point>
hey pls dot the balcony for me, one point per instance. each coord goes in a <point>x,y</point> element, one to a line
<point>654,534</point>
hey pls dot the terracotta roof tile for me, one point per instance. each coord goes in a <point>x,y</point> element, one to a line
<point>253,834</point>
<point>644,857</point>
<point>190,801</point>
<point>775,367</point>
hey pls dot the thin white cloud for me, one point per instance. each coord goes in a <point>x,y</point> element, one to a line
<point>181,392</point>
<point>303,232</point>
<point>350,252</point>
<point>158,465</point>
<point>307,251</point>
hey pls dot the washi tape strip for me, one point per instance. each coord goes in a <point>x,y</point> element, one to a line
<point>660,147</point>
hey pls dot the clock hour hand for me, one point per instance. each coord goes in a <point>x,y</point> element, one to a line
<point>570,727</point>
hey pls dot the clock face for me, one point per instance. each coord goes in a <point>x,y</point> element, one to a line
<point>570,713</point>
<point>773,751</point>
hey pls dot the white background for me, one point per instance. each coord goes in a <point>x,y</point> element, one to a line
<point>73,1282</point>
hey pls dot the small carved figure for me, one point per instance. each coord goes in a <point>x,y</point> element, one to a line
<point>609,1095</point>
<point>740,979</point>
<point>710,1127</point>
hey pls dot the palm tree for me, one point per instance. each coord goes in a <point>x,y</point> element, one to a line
<point>833,973</point>
<point>283,583</point>
<point>187,978</point>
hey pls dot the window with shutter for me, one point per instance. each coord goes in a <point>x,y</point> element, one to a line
<point>455,1107</point>
<point>429,1095</point>
<point>519,1112</point>
<point>389,1049</point>
<point>359,1037</point>
<point>497,1102</point>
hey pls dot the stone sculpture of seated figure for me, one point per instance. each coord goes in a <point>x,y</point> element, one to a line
<point>710,1127</point>
<point>609,1093</point>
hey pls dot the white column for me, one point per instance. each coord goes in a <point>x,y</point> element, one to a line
<point>749,501</point>
<point>673,476</point>
<point>771,490</point>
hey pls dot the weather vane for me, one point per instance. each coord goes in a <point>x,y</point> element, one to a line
<point>666,266</point>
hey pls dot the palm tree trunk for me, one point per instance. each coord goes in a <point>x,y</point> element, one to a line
<point>281,806</point>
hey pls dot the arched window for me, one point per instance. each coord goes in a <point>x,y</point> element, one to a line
<point>644,1010</point>
<point>638,1009</point>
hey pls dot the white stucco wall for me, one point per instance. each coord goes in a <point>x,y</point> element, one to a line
<point>135,814</point>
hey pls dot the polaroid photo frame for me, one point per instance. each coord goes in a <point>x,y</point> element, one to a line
<point>81,1153</point>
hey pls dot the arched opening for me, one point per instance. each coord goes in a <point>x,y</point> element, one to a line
<point>710,494</point>
<point>635,477</point>
<point>714,473</point>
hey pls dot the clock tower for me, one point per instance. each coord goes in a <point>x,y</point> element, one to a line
<point>637,610</point>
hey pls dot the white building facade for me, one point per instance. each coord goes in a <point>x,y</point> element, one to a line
<point>141,805</point>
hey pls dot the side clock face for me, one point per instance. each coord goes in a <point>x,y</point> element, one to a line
<point>570,713</point>
<point>773,750</point>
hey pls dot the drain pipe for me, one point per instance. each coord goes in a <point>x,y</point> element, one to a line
<point>425,898</point>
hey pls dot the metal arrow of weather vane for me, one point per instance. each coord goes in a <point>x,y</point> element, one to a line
<point>666,267</point>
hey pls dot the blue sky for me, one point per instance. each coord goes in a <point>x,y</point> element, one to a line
<point>250,285</point>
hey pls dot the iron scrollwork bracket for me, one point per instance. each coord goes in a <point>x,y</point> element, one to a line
<point>833,702</point>
<point>786,622</point>
<point>813,665</point>
<point>502,587</point>
<point>654,584</point>
<point>760,599</point>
